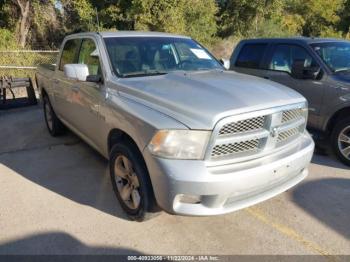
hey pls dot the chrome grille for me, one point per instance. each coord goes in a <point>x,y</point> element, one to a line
<point>288,134</point>
<point>251,135</point>
<point>239,147</point>
<point>291,115</point>
<point>256,123</point>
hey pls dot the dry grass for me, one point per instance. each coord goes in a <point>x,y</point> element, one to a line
<point>223,48</point>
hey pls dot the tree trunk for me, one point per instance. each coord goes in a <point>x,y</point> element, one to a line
<point>23,21</point>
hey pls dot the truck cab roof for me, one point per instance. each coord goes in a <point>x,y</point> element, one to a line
<point>127,34</point>
<point>300,40</point>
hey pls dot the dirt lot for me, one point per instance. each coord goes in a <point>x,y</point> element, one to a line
<point>56,198</point>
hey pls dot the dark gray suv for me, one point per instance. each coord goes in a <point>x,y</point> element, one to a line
<point>317,68</point>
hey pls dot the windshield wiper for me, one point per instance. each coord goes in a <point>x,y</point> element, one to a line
<point>144,73</point>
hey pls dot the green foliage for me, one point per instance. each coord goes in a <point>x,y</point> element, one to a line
<point>207,21</point>
<point>283,17</point>
<point>241,16</point>
<point>195,18</point>
<point>318,17</point>
<point>7,39</point>
<point>79,15</point>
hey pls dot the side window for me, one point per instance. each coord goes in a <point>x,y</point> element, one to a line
<point>282,58</point>
<point>89,55</point>
<point>251,55</point>
<point>69,52</point>
<point>285,55</point>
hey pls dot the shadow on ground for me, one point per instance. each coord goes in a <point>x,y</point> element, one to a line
<point>65,165</point>
<point>325,157</point>
<point>328,201</point>
<point>73,170</point>
<point>57,243</point>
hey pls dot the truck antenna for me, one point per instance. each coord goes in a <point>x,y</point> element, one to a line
<point>97,20</point>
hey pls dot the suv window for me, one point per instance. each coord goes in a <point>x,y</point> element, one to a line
<point>89,56</point>
<point>251,55</point>
<point>284,56</point>
<point>69,52</point>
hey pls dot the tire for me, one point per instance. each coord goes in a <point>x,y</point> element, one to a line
<point>125,158</point>
<point>53,124</point>
<point>340,140</point>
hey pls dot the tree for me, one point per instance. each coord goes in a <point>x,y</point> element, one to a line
<point>318,17</point>
<point>24,20</point>
<point>195,18</point>
<point>32,21</point>
<point>78,15</point>
<point>115,14</point>
<point>242,16</point>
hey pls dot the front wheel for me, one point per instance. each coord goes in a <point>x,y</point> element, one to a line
<point>341,140</point>
<point>131,182</point>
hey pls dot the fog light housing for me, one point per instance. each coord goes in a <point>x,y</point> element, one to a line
<point>189,199</point>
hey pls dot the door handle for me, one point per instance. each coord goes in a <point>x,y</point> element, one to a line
<point>75,89</point>
<point>95,109</point>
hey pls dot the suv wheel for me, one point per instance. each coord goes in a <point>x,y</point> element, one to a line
<point>54,125</point>
<point>341,140</point>
<point>131,182</point>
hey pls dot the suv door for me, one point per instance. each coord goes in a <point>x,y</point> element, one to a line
<point>89,94</point>
<point>280,68</point>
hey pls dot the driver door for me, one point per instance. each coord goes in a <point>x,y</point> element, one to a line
<point>88,95</point>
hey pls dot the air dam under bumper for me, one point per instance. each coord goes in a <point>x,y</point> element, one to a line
<point>191,187</point>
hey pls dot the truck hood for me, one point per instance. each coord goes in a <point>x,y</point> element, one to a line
<point>200,99</point>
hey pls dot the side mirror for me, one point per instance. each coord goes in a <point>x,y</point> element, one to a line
<point>94,78</point>
<point>299,70</point>
<point>225,63</point>
<point>76,71</point>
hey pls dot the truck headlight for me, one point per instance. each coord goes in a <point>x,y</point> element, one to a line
<point>179,144</point>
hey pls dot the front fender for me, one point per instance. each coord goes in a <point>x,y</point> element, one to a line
<point>137,120</point>
<point>330,113</point>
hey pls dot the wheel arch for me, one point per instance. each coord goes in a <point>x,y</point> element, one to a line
<point>116,136</point>
<point>337,116</point>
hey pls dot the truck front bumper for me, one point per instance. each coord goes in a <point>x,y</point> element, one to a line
<point>191,187</point>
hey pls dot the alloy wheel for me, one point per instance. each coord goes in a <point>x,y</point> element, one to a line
<point>127,182</point>
<point>344,142</point>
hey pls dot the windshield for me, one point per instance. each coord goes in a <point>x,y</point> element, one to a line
<point>140,56</point>
<point>335,54</point>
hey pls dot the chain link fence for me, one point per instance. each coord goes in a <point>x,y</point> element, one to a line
<point>23,63</point>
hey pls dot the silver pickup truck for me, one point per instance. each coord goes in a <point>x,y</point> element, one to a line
<point>180,132</point>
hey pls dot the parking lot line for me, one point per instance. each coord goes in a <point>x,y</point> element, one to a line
<point>289,232</point>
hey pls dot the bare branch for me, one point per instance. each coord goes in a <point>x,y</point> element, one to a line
<point>19,3</point>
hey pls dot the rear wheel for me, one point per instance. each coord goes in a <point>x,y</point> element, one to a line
<point>341,140</point>
<point>131,182</point>
<point>54,125</point>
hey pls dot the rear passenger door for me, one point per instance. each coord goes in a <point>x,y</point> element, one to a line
<point>249,59</point>
<point>280,65</point>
